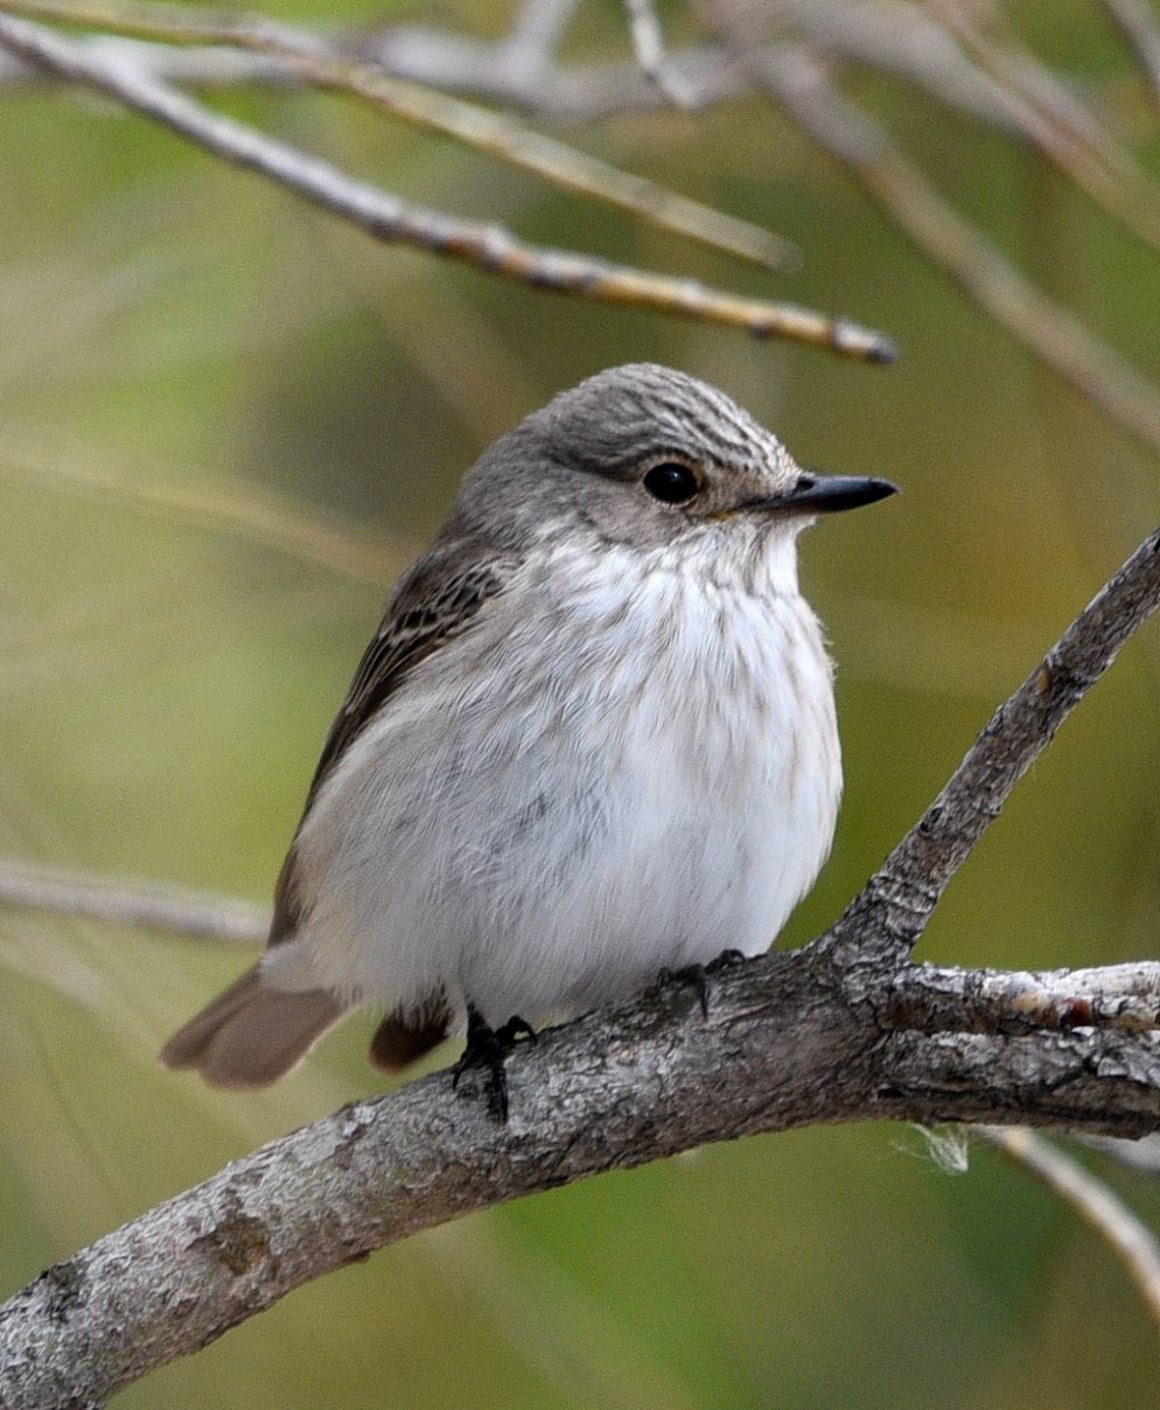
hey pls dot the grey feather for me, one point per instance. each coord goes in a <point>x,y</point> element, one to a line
<point>251,1035</point>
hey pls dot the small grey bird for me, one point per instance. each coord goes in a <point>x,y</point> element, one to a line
<point>593,738</point>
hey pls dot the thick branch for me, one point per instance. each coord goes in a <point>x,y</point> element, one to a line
<point>788,1041</point>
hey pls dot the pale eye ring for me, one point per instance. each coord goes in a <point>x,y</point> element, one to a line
<point>672,482</point>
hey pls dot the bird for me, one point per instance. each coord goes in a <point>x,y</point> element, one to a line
<point>594,733</point>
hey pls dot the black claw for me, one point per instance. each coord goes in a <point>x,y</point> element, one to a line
<point>488,1048</point>
<point>698,975</point>
<point>694,974</point>
<point>727,959</point>
<point>515,1029</point>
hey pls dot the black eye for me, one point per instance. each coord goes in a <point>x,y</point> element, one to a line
<point>672,483</point>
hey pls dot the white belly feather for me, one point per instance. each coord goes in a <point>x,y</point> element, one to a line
<point>587,786</point>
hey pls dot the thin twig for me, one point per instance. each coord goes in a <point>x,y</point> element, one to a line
<point>313,62</point>
<point>530,45</point>
<point>1137,21</point>
<point>1091,1198</point>
<point>648,45</point>
<point>1064,131</point>
<point>145,905</point>
<point>1142,1155</point>
<point>885,38</point>
<point>898,900</point>
<point>243,511</point>
<point>800,84</point>
<point>486,246</point>
<point>888,38</point>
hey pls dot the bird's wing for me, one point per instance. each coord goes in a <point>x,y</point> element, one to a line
<point>435,601</point>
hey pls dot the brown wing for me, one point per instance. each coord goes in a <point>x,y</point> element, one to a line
<point>435,601</point>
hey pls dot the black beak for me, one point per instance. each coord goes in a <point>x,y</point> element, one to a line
<point>826,494</point>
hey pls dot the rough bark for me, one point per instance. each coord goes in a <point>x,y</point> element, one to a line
<point>790,1040</point>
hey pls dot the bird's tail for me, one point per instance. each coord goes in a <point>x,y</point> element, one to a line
<point>253,1034</point>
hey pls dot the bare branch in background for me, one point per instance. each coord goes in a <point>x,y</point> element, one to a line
<point>649,47</point>
<point>314,63</point>
<point>1143,1155</point>
<point>1067,133</point>
<point>798,83</point>
<point>145,905</point>
<point>536,33</point>
<point>247,512</point>
<point>519,69</point>
<point>1137,21</point>
<point>1093,1200</point>
<point>488,247</point>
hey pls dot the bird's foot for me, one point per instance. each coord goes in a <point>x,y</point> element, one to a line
<point>488,1048</point>
<point>727,959</point>
<point>515,1029</point>
<point>698,975</point>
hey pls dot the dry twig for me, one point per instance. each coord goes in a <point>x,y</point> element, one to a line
<point>1093,1200</point>
<point>249,512</point>
<point>520,70</point>
<point>146,905</point>
<point>1138,23</point>
<point>649,46</point>
<point>1067,133</point>
<point>387,218</point>
<point>311,61</point>
<point>800,84</point>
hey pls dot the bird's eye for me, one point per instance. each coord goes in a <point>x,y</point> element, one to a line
<point>672,482</point>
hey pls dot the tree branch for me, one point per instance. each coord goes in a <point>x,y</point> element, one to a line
<point>1136,20</point>
<point>896,903</point>
<point>799,83</point>
<point>313,62</point>
<point>520,70</point>
<point>844,1029</point>
<point>1127,1236</point>
<point>146,905</point>
<point>648,45</point>
<point>1060,127</point>
<point>387,218</point>
<point>787,1043</point>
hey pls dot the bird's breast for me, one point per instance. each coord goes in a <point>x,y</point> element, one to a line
<point>609,775</point>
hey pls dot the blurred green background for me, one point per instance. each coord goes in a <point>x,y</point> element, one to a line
<point>185,352</point>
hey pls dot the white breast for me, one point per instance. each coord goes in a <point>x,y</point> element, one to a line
<point>618,768</point>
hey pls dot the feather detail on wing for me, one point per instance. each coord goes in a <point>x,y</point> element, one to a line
<point>435,601</point>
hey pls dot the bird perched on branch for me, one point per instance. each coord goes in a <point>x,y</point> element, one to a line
<point>593,739</point>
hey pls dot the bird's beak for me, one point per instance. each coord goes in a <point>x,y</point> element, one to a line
<point>826,494</point>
